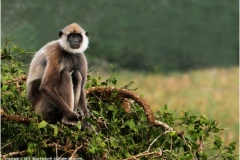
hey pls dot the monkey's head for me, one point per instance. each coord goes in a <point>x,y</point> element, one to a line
<point>73,39</point>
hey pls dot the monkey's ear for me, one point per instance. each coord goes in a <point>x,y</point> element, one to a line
<point>87,33</point>
<point>60,34</point>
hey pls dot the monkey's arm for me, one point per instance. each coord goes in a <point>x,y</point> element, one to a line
<point>77,82</point>
<point>84,71</point>
<point>79,94</point>
<point>83,104</point>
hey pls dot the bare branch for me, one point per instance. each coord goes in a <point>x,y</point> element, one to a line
<point>66,148</point>
<point>156,140</point>
<point>14,118</point>
<point>144,154</point>
<point>6,145</point>
<point>72,156</point>
<point>14,154</point>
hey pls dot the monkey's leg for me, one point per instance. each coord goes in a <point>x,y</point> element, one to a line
<point>49,112</point>
<point>65,90</point>
<point>33,93</point>
<point>41,104</point>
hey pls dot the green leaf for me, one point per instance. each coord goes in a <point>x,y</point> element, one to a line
<point>232,146</point>
<point>32,126</point>
<point>55,131</point>
<point>218,142</point>
<point>92,149</point>
<point>79,125</point>
<point>89,120</point>
<point>172,133</point>
<point>42,153</point>
<point>95,113</point>
<point>191,128</point>
<point>126,153</point>
<point>132,125</point>
<point>45,143</point>
<point>111,108</point>
<point>131,146</point>
<point>4,88</point>
<point>76,137</point>
<point>113,80</point>
<point>30,138</point>
<point>114,142</point>
<point>31,147</point>
<point>42,124</point>
<point>5,51</point>
<point>3,73</point>
<point>204,156</point>
<point>104,83</point>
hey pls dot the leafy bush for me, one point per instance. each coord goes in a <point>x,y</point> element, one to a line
<point>121,127</point>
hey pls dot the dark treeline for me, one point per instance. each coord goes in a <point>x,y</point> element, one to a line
<point>155,35</point>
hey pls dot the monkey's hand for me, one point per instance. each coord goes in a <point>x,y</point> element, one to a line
<point>86,125</point>
<point>71,119</point>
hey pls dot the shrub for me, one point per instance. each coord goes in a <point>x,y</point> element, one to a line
<point>123,126</point>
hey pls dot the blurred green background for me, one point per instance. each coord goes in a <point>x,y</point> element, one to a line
<point>154,35</point>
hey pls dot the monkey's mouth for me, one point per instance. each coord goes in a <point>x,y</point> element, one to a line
<point>75,46</point>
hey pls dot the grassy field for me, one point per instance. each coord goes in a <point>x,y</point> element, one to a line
<point>211,92</point>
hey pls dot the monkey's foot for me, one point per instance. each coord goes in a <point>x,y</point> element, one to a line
<point>67,122</point>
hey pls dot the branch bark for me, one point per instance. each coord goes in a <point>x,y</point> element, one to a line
<point>67,148</point>
<point>14,118</point>
<point>159,154</point>
<point>124,93</point>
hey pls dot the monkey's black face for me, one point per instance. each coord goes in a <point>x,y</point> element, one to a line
<point>75,40</point>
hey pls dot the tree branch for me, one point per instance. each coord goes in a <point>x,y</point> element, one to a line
<point>66,148</point>
<point>156,140</point>
<point>124,93</point>
<point>144,155</point>
<point>14,154</point>
<point>14,118</point>
<point>73,154</point>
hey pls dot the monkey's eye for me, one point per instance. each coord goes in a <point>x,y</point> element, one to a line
<point>70,37</point>
<point>76,37</point>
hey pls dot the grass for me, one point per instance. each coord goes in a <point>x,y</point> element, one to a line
<point>212,92</point>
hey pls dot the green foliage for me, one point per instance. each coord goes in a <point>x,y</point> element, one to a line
<point>13,95</point>
<point>115,134</point>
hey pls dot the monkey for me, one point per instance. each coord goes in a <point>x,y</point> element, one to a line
<point>57,75</point>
